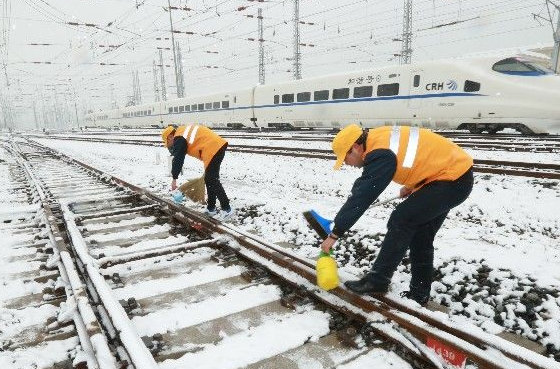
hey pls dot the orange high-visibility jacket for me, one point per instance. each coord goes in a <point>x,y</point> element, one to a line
<point>422,156</point>
<point>202,142</point>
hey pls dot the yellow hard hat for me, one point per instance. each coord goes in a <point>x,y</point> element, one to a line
<point>166,132</point>
<point>343,141</point>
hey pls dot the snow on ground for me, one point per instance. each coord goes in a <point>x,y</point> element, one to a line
<point>497,255</point>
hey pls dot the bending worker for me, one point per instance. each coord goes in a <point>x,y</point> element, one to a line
<point>204,144</point>
<point>436,175</point>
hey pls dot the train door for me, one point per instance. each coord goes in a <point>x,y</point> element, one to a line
<point>414,101</point>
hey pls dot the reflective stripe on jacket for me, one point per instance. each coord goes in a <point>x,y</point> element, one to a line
<point>202,142</point>
<point>422,156</point>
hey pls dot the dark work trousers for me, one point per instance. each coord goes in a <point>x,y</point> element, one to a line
<point>413,225</point>
<point>213,185</point>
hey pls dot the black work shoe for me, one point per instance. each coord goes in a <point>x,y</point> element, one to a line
<point>364,285</point>
<point>422,300</point>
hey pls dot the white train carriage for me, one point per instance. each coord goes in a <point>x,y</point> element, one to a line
<point>479,94</point>
<point>220,110</point>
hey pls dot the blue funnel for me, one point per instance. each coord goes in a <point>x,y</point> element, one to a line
<point>321,225</point>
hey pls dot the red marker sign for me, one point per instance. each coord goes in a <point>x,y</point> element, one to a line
<point>449,354</point>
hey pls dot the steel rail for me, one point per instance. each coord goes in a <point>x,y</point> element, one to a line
<point>548,171</point>
<point>138,353</point>
<point>88,327</point>
<point>471,344</point>
<point>197,223</point>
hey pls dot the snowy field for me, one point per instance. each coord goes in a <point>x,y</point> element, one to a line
<point>497,255</point>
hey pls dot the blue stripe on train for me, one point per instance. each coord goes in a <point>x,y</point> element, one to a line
<point>341,101</point>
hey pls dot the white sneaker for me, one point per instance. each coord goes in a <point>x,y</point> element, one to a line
<point>228,214</point>
<point>210,213</point>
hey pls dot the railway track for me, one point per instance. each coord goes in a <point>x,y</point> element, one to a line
<point>536,170</point>
<point>159,285</point>
<point>496,142</point>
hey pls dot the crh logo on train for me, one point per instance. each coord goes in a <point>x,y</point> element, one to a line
<point>439,86</point>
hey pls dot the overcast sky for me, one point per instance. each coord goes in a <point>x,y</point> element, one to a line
<point>347,35</point>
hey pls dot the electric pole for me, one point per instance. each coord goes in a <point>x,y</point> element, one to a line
<point>180,77</point>
<point>162,71</point>
<point>76,106</point>
<point>556,36</point>
<point>35,115</point>
<point>113,102</point>
<point>179,94</point>
<point>406,51</point>
<point>261,48</point>
<point>136,93</point>
<point>156,88</point>
<point>297,54</point>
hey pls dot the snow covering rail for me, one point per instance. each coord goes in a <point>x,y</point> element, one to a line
<point>522,169</point>
<point>414,328</point>
<point>89,331</point>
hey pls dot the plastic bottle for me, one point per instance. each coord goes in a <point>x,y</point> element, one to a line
<point>327,274</point>
<point>178,196</point>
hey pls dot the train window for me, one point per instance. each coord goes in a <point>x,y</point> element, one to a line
<point>200,106</point>
<point>340,93</point>
<point>471,86</point>
<point>149,112</point>
<point>187,108</point>
<point>225,104</point>
<point>208,106</point>
<point>516,66</point>
<point>235,99</point>
<point>303,96</point>
<point>145,112</point>
<point>277,99</point>
<point>321,95</point>
<point>181,108</point>
<point>287,98</point>
<point>175,109</point>
<point>417,80</point>
<point>389,89</point>
<point>171,110</point>
<point>193,107</point>
<point>216,105</point>
<point>363,91</point>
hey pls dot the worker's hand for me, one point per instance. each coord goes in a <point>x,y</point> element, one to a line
<point>405,191</point>
<point>327,244</point>
<point>173,184</point>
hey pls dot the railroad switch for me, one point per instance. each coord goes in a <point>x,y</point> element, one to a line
<point>370,335</point>
<point>131,307</point>
<point>256,275</point>
<point>50,294</point>
<point>338,321</point>
<point>117,281</point>
<point>155,343</point>
<point>292,298</point>
<point>225,257</point>
<point>348,337</point>
<point>67,364</point>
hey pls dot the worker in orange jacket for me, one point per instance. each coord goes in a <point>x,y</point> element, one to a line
<point>436,176</point>
<point>204,144</point>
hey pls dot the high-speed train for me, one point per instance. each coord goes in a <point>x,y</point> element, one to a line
<point>477,94</point>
